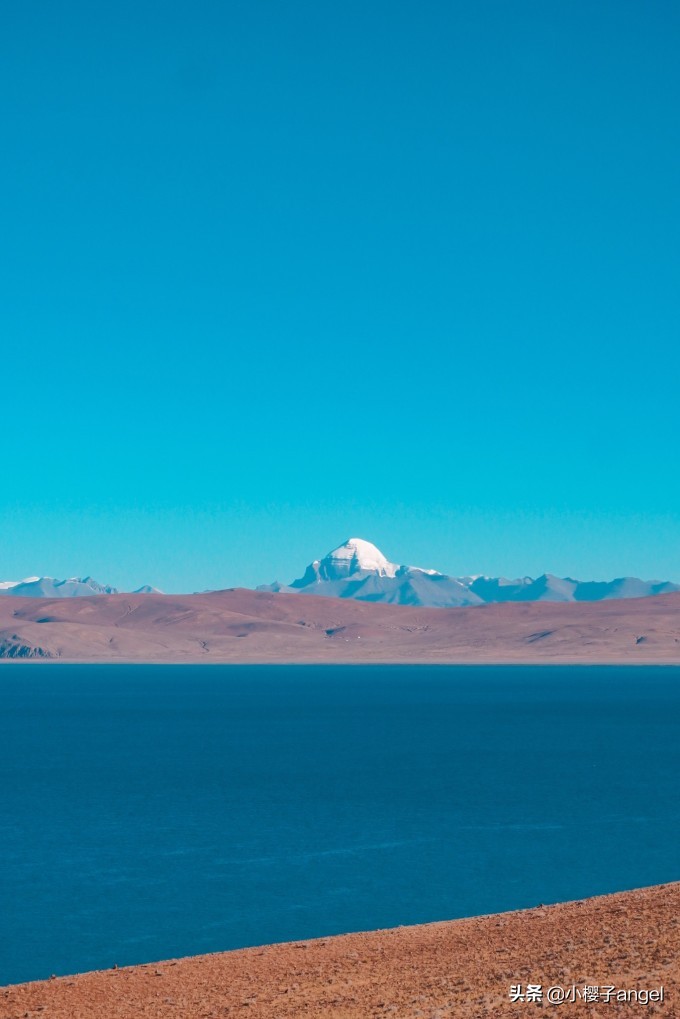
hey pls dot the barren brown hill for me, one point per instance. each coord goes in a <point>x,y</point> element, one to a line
<point>250,626</point>
<point>463,969</point>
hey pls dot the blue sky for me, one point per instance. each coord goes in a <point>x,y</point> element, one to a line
<point>277,274</point>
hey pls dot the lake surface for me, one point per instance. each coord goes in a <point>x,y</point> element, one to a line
<point>148,812</point>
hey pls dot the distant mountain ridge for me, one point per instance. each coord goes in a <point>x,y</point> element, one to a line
<point>74,587</point>
<point>357,569</point>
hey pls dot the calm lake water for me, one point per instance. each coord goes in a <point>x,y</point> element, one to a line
<point>148,812</point>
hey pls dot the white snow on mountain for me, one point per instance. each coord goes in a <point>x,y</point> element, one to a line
<point>354,556</point>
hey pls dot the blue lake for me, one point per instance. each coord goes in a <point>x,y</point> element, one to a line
<point>148,812</point>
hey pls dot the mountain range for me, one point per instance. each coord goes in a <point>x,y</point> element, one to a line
<point>74,587</point>
<point>357,569</point>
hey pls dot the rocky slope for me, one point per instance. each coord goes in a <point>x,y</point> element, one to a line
<point>463,969</point>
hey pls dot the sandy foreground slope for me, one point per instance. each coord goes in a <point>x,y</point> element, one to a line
<point>249,626</point>
<point>462,968</point>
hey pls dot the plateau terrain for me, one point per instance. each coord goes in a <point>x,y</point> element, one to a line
<point>240,625</point>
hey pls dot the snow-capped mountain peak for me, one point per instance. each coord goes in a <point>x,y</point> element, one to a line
<point>357,569</point>
<point>356,561</point>
<point>355,556</point>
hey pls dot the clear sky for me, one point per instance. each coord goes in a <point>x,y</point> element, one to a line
<point>275,274</point>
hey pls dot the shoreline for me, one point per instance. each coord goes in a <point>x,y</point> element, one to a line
<point>586,661</point>
<point>459,968</point>
<point>561,663</point>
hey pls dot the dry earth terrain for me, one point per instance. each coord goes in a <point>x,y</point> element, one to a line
<point>463,969</point>
<point>249,626</point>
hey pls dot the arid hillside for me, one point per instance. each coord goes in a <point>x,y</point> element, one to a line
<point>249,626</point>
<point>464,969</point>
